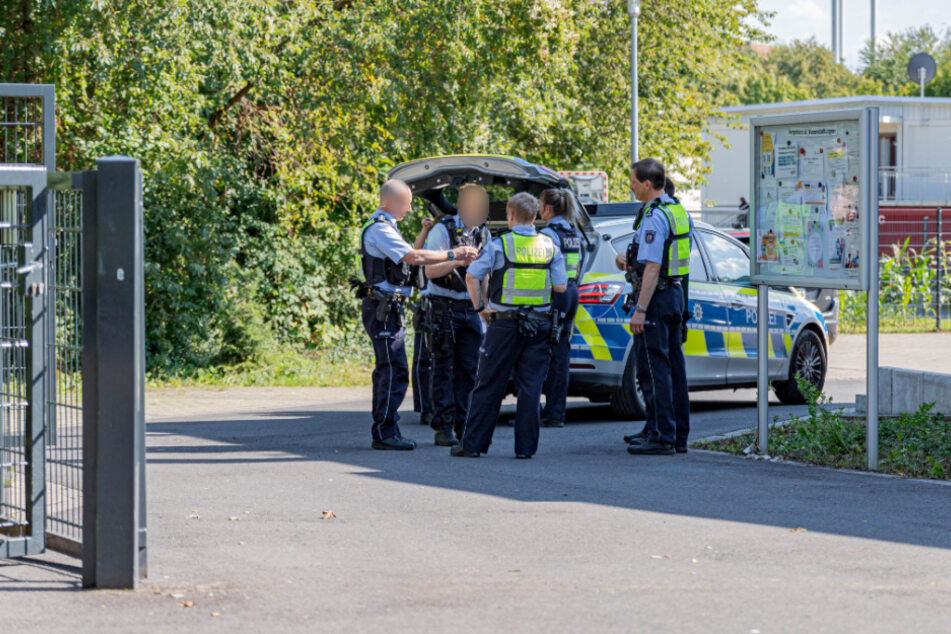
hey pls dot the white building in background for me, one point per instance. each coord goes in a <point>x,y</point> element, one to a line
<point>914,158</point>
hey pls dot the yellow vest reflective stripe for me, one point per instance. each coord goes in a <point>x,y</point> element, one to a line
<point>572,262</point>
<point>677,246</point>
<point>525,278</point>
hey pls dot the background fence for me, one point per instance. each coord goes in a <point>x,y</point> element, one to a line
<point>914,289</point>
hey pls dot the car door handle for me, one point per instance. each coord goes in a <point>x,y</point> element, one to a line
<point>737,305</point>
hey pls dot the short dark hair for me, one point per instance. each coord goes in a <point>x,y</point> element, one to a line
<point>524,207</point>
<point>650,170</point>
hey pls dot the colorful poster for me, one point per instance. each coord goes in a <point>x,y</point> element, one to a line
<point>766,156</point>
<point>768,246</point>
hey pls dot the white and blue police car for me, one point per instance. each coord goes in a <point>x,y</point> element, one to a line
<point>721,347</point>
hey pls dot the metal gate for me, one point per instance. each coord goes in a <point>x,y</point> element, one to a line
<point>65,467</point>
<point>25,144</point>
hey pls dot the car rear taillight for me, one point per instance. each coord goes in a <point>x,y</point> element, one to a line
<point>600,292</point>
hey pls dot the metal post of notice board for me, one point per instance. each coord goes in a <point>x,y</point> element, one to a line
<point>762,377</point>
<point>870,164</point>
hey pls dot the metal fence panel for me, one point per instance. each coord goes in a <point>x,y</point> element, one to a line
<point>22,379</point>
<point>27,152</point>
<point>14,382</point>
<point>64,452</point>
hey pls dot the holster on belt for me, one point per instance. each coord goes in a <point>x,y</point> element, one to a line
<point>442,340</point>
<point>557,320</point>
<point>385,304</point>
<point>529,321</point>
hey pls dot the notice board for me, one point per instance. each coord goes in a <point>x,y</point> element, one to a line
<point>814,184</point>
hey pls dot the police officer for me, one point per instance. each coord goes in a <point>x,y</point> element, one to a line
<point>557,209</point>
<point>455,326</point>
<point>658,261</point>
<point>386,274</point>
<point>522,268</point>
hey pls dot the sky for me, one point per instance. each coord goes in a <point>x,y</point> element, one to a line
<point>802,19</point>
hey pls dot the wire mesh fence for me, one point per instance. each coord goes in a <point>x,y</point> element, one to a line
<point>21,130</point>
<point>64,448</point>
<point>914,289</point>
<point>14,377</point>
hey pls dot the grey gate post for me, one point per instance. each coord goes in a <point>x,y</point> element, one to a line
<point>114,540</point>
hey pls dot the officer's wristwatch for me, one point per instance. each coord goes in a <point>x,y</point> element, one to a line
<point>638,307</point>
<point>452,256</point>
<point>480,308</point>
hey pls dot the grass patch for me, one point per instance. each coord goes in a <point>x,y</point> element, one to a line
<point>914,445</point>
<point>892,325</point>
<point>283,367</point>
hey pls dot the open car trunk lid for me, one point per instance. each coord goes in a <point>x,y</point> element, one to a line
<point>432,178</point>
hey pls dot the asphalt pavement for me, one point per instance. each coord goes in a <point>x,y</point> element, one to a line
<point>582,538</point>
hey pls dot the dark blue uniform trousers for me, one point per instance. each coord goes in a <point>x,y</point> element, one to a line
<point>391,373</point>
<point>422,383</point>
<point>662,369</point>
<point>505,349</point>
<point>456,341</point>
<point>556,385</point>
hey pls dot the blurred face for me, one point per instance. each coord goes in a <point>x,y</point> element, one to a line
<point>473,205</point>
<point>398,204</point>
<point>546,213</point>
<point>510,218</point>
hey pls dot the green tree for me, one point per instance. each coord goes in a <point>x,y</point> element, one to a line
<point>798,71</point>
<point>265,128</point>
<point>888,61</point>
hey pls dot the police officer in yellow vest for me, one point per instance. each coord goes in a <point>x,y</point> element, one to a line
<point>523,268</point>
<point>658,263</point>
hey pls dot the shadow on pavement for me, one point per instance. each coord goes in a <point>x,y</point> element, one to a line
<point>31,574</point>
<point>582,463</point>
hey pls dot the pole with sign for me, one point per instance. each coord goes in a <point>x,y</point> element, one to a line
<point>814,225</point>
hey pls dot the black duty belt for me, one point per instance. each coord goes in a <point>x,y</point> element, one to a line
<point>663,283</point>
<point>447,303</point>
<point>515,315</point>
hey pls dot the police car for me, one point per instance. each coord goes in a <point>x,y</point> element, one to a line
<point>721,348</point>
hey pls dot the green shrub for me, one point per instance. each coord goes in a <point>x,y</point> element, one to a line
<point>914,445</point>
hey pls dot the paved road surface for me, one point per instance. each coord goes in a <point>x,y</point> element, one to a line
<point>582,538</point>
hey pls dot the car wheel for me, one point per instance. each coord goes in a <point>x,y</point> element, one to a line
<point>628,402</point>
<point>808,359</point>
